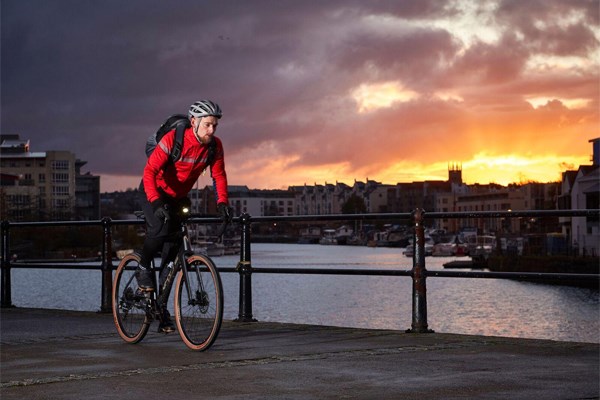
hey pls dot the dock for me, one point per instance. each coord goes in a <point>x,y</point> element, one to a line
<point>57,354</point>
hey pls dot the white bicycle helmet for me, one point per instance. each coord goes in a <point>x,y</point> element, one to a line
<point>205,108</point>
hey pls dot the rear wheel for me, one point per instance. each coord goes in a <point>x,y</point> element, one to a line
<point>199,312</point>
<point>129,305</point>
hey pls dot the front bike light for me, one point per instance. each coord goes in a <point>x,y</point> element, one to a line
<point>185,210</point>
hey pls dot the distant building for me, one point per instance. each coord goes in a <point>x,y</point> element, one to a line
<point>45,185</point>
<point>256,202</point>
<point>318,199</point>
<point>87,194</point>
<point>504,199</point>
<point>580,190</point>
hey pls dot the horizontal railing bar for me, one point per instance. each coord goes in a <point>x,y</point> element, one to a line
<point>332,271</point>
<point>344,217</point>
<point>441,274</point>
<point>513,214</point>
<point>430,215</point>
<point>27,265</point>
<point>355,271</point>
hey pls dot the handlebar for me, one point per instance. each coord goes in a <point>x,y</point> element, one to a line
<point>186,216</point>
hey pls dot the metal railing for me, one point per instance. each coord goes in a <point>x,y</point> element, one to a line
<point>245,269</point>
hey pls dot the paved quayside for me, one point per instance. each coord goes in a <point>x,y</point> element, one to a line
<point>53,354</point>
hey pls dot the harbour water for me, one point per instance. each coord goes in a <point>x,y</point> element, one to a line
<point>491,307</point>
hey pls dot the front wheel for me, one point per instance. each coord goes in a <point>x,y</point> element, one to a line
<point>199,305</point>
<point>129,305</point>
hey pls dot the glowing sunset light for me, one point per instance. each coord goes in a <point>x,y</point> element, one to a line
<point>515,168</point>
<point>483,168</point>
<point>370,97</point>
<point>569,103</point>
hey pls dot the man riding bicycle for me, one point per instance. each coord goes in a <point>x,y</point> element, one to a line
<point>166,184</point>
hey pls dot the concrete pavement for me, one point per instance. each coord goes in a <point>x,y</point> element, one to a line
<point>53,354</point>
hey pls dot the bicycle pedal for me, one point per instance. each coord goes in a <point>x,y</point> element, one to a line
<point>166,329</point>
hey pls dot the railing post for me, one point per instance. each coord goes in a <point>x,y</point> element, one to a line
<point>6,301</point>
<point>107,267</point>
<point>244,267</point>
<point>419,276</point>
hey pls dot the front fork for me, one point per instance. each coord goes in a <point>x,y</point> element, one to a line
<point>180,263</point>
<point>186,252</point>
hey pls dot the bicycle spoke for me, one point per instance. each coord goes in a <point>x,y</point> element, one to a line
<point>129,304</point>
<point>199,312</point>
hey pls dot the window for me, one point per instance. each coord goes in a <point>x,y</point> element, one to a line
<point>60,164</point>
<point>60,178</point>
<point>60,190</point>
<point>19,199</point>
<point>61,203</point>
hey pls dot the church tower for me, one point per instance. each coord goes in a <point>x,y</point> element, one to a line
<point>455,173</point>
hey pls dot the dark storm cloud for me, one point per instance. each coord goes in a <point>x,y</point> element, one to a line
<point>96,77</point>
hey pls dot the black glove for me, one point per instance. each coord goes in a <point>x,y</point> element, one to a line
<point>160,210</point>
<point>225,211</point>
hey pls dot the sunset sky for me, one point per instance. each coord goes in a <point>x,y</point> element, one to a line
<point>312,91</point>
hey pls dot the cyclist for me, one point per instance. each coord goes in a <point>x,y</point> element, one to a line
<point>165,186</point>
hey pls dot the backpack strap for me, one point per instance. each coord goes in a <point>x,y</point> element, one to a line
<point>178,144</point>
<point>212,151</point>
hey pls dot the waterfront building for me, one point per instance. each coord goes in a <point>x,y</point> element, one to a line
<point>256,202</point>
<point>45,185</point>
<point>330,198</point>
<point>501,199</point>
<point>379,198</point>
<point>580,190</point>
<point>320,199</point>
<point>365,190</point>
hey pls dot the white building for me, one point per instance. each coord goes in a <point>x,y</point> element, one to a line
<point>585,233</point>
<point>580,190</point>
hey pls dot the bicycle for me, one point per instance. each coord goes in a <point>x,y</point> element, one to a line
<point>198,299</point>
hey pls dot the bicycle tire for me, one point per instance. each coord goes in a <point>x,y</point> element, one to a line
<point>129,308</point>
<point>199,318</point>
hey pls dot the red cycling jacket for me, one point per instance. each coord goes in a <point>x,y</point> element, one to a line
<point>177,180</point>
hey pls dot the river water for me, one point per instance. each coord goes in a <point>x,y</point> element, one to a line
<point>491,307</point>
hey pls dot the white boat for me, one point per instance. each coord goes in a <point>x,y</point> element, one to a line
<point>409,252</point>
<point>232,246</point>
<point>328,237</point>
<point>211,249</point>
<point>343,234</point>
<point>481,246</point>
<point>452,247</point>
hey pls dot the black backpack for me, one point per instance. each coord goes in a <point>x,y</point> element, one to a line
<point>180,123</point>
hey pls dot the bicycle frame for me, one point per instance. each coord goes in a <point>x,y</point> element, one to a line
<point>198,298</point>
<point>180,263</point>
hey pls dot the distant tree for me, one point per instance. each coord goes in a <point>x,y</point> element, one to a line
<point>354,205</point>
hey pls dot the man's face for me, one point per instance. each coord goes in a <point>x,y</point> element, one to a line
<point>204,128</point>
